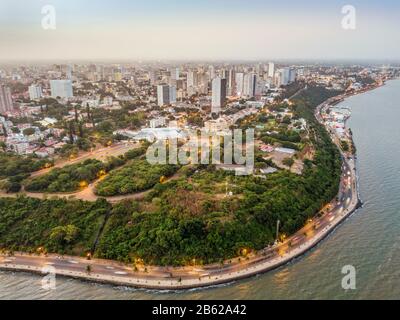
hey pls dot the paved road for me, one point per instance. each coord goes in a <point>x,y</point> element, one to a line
<point>100,154</point>
<point>189,277</point>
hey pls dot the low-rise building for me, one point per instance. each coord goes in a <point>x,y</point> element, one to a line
<point>157,122</point>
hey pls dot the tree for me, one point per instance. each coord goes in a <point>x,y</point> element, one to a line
<point>288,162</point>
<point>12,186</point>
<point>83,144</point>
<point>28,131</point>
<point>88,112</point>
<point>80,127</point>
<point>76,113</point>
<point>345,145</point>
<point>4,130</point>
<point>71,132</point>
<point>64,234</point>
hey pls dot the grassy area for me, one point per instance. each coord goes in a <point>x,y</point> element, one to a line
<point>137,176</point>
<point>74,177</point>
<point>68,227</point>
<point>69,178</point>
<point>14,169</point>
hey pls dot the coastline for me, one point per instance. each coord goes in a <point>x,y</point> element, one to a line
<point>245,269</point>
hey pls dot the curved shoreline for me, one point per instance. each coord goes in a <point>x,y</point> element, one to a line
<point>183,278</point>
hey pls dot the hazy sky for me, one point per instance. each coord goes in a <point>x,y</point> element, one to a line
<point>204,29</point>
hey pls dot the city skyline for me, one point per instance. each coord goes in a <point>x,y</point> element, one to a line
<point>212,30</point>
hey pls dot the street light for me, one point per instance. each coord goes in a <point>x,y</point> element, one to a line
<point>277,229</point>
<point>83,184</point>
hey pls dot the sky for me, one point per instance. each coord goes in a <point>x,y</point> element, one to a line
<point>199,30</point>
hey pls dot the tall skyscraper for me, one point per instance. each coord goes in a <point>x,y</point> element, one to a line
<point>285,76</point>
<point>35,92</point>
<point>192,79</point>
<point>239,79</point>
<point>259,69</point>
<point>175,74</point>
<point>6,103</point>
<point>211,71</point>
<point>271,69</point>
<point>231,82</point>
<point>218,95</point>
<point>61,88</point>
<point>152,77</point>
<point>68,71</point>
<point>164,93</point>
<point>192,82</point>
<point>249,86</point>
<point>292,75</point>
<point>224,73</point>
<point>172,94</point>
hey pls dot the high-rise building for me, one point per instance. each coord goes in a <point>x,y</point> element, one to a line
<point>300,72</point>
<point>192,79</point>
<point>175,74</point>
<point>271,69</point>
<point>61,88</point>
<point>6,103</point>
<point>231,82</point>
<point>68,71</point>
<point>259,69</point>
<point>284,76</point>
<point>224,73</point>
<point>192,82</point>
<point>292,75</point>
<point>172,94</point>
<point>180,84</point>
<point>239,80</point>
<point>260,87</point>
<point>162,95</point>
<point>166,94</point>
<point>249,86</point>
<point>218,95</point>
<point>152,77</point>
<point>211,70</point>
<point>35,92</point>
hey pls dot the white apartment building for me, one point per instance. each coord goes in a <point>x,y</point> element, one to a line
<point>157,122</point>
<point>35,92</point>
<point>218,95</point>
<point>239,80</point>
<point>6,103</point>
<point>61,88</point>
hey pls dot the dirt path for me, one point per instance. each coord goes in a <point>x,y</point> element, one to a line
<point>86,194</point>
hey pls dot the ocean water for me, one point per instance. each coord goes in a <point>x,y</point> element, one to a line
<point>369,240</point>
